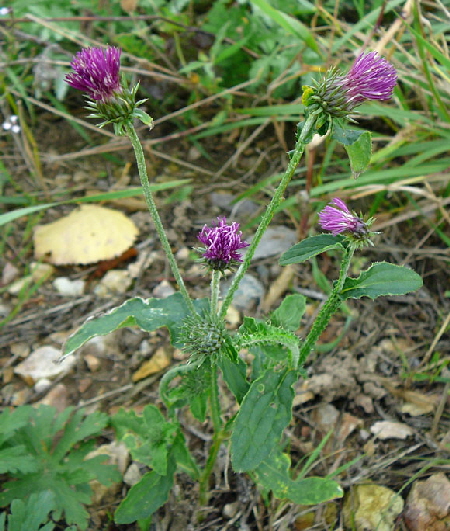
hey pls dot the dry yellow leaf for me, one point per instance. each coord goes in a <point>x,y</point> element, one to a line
<point>85,236</point>
<point>159,361</point>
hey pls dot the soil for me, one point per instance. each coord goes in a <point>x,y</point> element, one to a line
<point>389,366</point>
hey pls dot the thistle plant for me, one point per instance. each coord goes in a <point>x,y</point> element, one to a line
<point>265,393</point>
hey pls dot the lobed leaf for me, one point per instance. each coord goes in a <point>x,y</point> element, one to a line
<point>30,514</point>
<point>17,460</point>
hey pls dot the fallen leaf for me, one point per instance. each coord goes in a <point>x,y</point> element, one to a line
<point>85,236</point>
<point>418,403</point>
<point>371,507</point>
<point>428,505</point>
<point>386,429</point>
<point>159,361</point>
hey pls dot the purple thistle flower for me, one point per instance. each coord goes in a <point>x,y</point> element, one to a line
<point>96,72</point>
<point>338,219</point>
<point>221,244</point>
<point>370,78</point>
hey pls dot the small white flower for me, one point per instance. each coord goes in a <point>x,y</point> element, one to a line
<point>12,124</point>
<point>4,11</point>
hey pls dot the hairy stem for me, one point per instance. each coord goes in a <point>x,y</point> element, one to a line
<point>300,146</point>
<point>328,309</point>
<point>140,159</point>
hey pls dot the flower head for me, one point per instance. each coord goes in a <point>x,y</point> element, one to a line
<point>370,78</point>
<point>221,244</point>
<point>96,72</point>
<point>339,220</point>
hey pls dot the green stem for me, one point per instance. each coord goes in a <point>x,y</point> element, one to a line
<point>215,288</point>
<point>300,146</point>
<point>140,159</point>
<point>328,309</point>
<point>218,437</point>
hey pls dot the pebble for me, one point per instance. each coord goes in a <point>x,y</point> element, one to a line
<point>249,292</point>
<point>114,282</point>
<point>44,363</point>
<point>276,240</point>
<point>67,287</point>
<point>163,290</point>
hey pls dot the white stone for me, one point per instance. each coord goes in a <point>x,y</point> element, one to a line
<point>44,363</point>
<point>115,281</point>
<point>65,286</point>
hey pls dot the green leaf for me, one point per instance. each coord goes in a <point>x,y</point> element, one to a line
<point>255,332</point>
<point>145,497</point>
<point>273,474</point>
<point>183,457</point>
<point>344,135</point>
<point>382,279</point>
<point>310,247</point>
<point>78,429</point>
<point>290,312</point>
<point>149,437</point>
<point>16,459</point>
<point>359,153</point>
<point>234,375</point>
<point>264,414</point>
<point>58,448</point>
<point>11,421</point>
<point>29,515</point>
<point>288,23</point>
<point>148,314</point>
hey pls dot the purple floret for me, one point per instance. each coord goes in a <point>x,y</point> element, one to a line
<point>222,243</point>
<point>96,72</point>
<point>338,219</point>
<point>371,78</point>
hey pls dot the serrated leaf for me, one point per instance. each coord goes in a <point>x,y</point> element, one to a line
<point>79,428</point>
<point>290,312</point>
<point>11,421</point>
<point>310,247</point>
<point>16,459</point>
<point>145,497</point>
<point>264,414</point>
<point>273,474</point>
<point>61,468</point>
<point>29,515</point>
<point>148,437</point>
<point>382,279</point>
<point>255,332</point>
<point>148,314</point>
<point>360,153</point>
